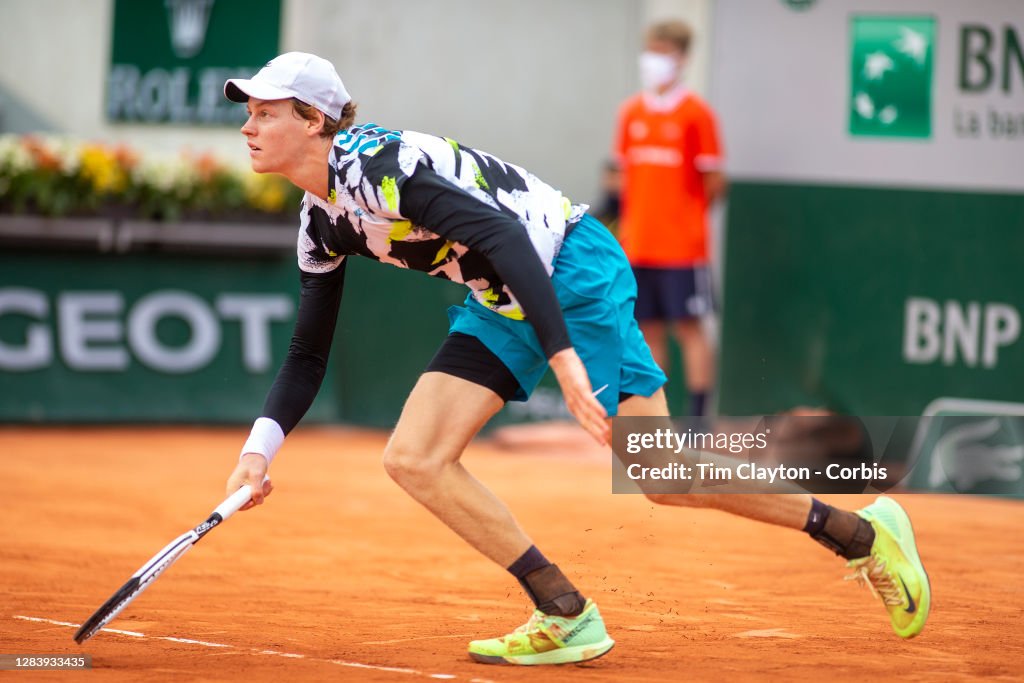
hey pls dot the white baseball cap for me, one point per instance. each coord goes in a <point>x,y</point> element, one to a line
<point>306,77</point>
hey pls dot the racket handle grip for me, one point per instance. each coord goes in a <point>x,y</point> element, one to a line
<point>233,502</point>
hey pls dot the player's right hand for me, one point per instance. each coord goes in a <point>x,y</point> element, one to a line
<point>251,470</point>
<point>579,395</point>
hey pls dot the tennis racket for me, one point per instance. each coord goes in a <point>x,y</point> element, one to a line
<point>141,579</point>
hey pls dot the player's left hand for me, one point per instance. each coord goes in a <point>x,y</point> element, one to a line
<point>252,470</point>
<point>579,395</point>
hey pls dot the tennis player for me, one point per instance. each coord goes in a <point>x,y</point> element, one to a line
<point>549,286</point>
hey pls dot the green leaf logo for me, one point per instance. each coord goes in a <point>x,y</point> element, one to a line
<point>891,63</point>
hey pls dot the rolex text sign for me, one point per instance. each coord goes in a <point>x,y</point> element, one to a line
<point>170,58</point>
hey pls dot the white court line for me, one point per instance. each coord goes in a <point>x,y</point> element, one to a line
<point>189,641</point>
<point>133,634</point>
<point>273,653</point>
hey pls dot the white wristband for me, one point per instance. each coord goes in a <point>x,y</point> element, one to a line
<point>265,438</point>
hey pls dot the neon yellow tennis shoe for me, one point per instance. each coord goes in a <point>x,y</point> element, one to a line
<point>893,571</point>
<point>547,639</point>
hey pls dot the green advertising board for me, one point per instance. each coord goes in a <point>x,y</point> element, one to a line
<point>169,58</point>
<point>144,337</point>
<point>870,301</point>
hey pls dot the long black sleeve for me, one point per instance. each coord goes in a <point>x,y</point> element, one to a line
<point>302,372</point>
<point>430,201</point>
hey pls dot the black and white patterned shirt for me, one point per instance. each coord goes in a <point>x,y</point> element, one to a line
<point>369,167</point>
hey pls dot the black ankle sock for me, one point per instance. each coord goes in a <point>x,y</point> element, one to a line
<point>816,517</point>
<point>532,560</point>
<point>842,532</point>
<point>698,399</point>
<point>547,586</point>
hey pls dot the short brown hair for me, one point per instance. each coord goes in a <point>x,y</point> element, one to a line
<point>331,126</point>
<point>672,31</point>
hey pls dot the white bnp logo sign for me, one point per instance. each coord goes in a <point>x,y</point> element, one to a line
<point>973,333</point>
<point>188,22</point>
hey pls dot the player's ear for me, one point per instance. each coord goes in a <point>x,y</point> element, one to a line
<point>316,124</point>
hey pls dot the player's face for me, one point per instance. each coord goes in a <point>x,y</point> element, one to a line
<point>272,131</point>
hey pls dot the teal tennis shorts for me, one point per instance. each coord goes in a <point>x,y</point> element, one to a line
<point>596,288</point>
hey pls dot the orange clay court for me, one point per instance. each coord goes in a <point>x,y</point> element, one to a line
<point>340,576</point>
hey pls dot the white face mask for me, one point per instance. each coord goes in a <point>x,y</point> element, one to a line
<point>657,70</point>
